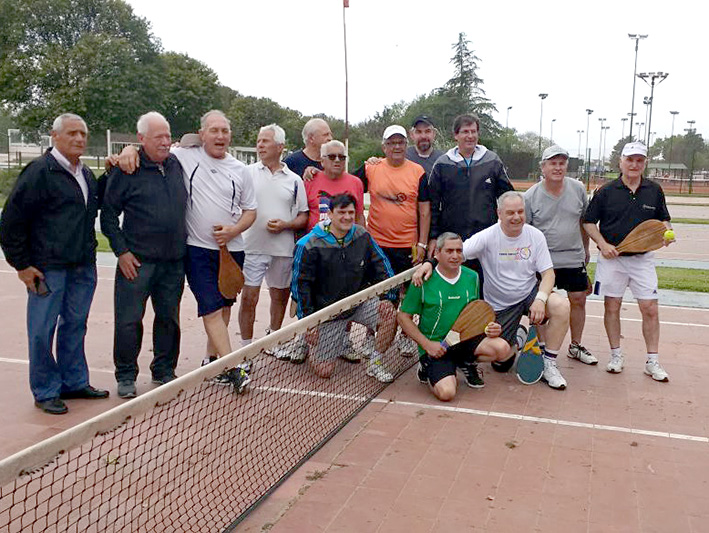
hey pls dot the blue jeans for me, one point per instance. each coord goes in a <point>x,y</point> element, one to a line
<point>66,310</point>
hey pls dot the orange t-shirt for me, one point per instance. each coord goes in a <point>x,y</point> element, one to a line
<point>393,207</point>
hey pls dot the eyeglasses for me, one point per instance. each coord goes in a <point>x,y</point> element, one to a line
<point>332,157</point>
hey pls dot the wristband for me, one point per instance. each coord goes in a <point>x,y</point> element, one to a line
<point>543,296</point>
<point>422,245</point>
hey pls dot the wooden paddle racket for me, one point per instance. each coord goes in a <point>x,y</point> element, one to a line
<point>473,319</point>
<point>231,278</point>
<point>645,237</point>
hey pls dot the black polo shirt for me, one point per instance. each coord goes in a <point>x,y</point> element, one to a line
<point>619,210</point>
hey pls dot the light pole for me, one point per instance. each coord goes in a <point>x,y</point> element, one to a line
<point>600,139</point>
<point>622,131</point>
<point>640,130</point>
<point>585,154</point>
<point>603,154</point>
<point>661,76</point>
<point>542,96</point>
<point>636,37</point>
<point>691,130</point>
<point>507,120</point>
<point>672,139</point>
<point>579,151</point>
<point>551,134</point>
<point>632,117</point>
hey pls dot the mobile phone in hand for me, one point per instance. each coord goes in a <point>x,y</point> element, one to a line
<point>41,286</point>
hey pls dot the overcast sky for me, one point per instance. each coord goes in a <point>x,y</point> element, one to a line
<point>577,52</point>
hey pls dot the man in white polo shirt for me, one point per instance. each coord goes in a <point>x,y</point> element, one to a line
<point>269,242</point>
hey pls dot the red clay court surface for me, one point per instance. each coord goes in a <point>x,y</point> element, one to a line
<point>610,453</point>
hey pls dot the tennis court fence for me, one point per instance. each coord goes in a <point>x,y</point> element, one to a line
<point>193,455</point>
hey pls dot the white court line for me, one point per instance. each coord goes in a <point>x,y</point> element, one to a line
<point>661,322</point>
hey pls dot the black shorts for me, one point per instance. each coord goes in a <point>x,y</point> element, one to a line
<point>456,356</point>
<point>202,270</point>
<point>510,317</point>
<point>399,258</point>
<point>571,279</point>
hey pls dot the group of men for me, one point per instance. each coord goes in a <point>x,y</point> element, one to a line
<point>180,204</point>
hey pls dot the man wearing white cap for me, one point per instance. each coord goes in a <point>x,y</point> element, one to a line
<point>555,206</point>
<point>618,207</point>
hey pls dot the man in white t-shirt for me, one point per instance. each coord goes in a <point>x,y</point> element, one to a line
<point>221,205</point>
<point>512,253</point>
<point>282,209</point>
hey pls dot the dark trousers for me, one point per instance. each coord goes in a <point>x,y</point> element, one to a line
<point>164,283</point>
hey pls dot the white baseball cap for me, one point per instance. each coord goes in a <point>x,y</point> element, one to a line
<point>553,151</point>
<point>394,130</point>
<point>634,148</point>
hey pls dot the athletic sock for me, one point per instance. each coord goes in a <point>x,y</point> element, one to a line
<point>376,356</point>
<point>246,342</point>
<point>616,351</point>
<point>652,357</point>
<point>550,353</point>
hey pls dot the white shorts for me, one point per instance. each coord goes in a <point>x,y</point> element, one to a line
<point>638,272</point>
<point>276,270</point>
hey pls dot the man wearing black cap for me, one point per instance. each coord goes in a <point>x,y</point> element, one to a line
<point>618,207</point>
<point>423,135</point>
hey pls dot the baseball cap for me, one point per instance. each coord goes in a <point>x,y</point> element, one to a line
<point>393,130</point>
<point>634,148</point>
<point>553,151</point>
<point>422,118</point>
<point>190,140</point>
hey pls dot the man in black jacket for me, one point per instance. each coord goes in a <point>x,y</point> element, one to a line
<point>337,259</point>
<point>47,234</point>
<point>150,247</point>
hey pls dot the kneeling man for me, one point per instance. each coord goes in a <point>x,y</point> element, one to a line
<point>438,302</point>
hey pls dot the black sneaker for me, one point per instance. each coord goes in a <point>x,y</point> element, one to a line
<point>472,375</point>
<point>209,359</point>
<point>422,375</point>
<point>503,366</point>
<point>239,379</point>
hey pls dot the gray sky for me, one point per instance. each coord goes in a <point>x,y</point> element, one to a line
<point>577,52</point>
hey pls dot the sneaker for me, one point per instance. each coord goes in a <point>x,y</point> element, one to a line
<point>126,389</point>
<point>349,353</point>
<point>472,375</point>
<point>503,366</point>
<point>53,406</point>
<point>576,351</point>
<point>378,371</point>
<point>239,378</point>
<point>367,346</point>
<point>163,379</point>
<point>281,352</point>
<point>208,359</point>
<point>657,373</point>
<point>615,365</point>
<point>406,345</point>
<point>552,375</point>
<point>422,375</point>
<point>298,349</point>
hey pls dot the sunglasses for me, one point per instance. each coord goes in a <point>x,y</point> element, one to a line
<point>332,157</point>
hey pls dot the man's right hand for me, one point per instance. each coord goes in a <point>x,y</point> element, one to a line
<point>129,265</point>
<point>309,173</point>
<point>128,159</point>
<point>374,160</point>
<point>608,250</point>
<point>423,272</point>
<point>28,275</point>
<point>110,162</point>
<point>434,349</point>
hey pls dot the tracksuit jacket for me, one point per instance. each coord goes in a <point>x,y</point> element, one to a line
<point>325,272</point>
<point>463,197</point>
<point>46,223</point>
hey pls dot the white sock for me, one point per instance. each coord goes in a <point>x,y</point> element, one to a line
<point>652,357</point>
<point>616,351</point>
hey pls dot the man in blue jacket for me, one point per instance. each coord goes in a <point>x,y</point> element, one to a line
<point>337,259</point>
<point>47,234</point>
<point>150,247</point>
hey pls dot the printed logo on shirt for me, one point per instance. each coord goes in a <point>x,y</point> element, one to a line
<point>516,254</point>
<point>488,181</point>
<point>649,207</point>
<point>398,199</point>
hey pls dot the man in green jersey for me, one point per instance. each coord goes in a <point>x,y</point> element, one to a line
<point>438,302</point>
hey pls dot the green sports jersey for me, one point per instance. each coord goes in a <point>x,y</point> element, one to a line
<point>438,302</point>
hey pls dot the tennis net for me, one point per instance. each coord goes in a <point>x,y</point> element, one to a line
<point>193,455</point>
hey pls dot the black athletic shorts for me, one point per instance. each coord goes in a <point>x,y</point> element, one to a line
<point>571,279</point>
<point>456,356</point>
<point>510,317</point>
<point>399,258</point>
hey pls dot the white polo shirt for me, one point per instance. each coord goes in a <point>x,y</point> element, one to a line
<point>279,195</point>
<point>218,192</point>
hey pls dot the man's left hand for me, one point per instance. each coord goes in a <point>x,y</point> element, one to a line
<point>276,225</point>
<point>537,312</point>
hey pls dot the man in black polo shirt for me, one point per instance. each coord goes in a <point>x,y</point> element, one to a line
<point>618,207</point>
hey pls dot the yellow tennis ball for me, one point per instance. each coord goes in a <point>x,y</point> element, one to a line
<point>669,235</point>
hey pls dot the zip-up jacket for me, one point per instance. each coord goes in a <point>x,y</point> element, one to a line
<point>325,271</point>
<point>46,223</point>
<point>463,197</point>
<point>153,201</point>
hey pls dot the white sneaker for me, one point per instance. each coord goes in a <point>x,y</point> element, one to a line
<point>615,365</point>
<point>349,353</point>
<point>297,348</point>
<point>576,351</point>
<point>406,345</point>
<point>378,371</point>
<point>552,375</point>
<point>657,373</point>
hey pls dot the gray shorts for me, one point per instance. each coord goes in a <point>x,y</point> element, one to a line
<point>510,317</point>
<point>332,335</point>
